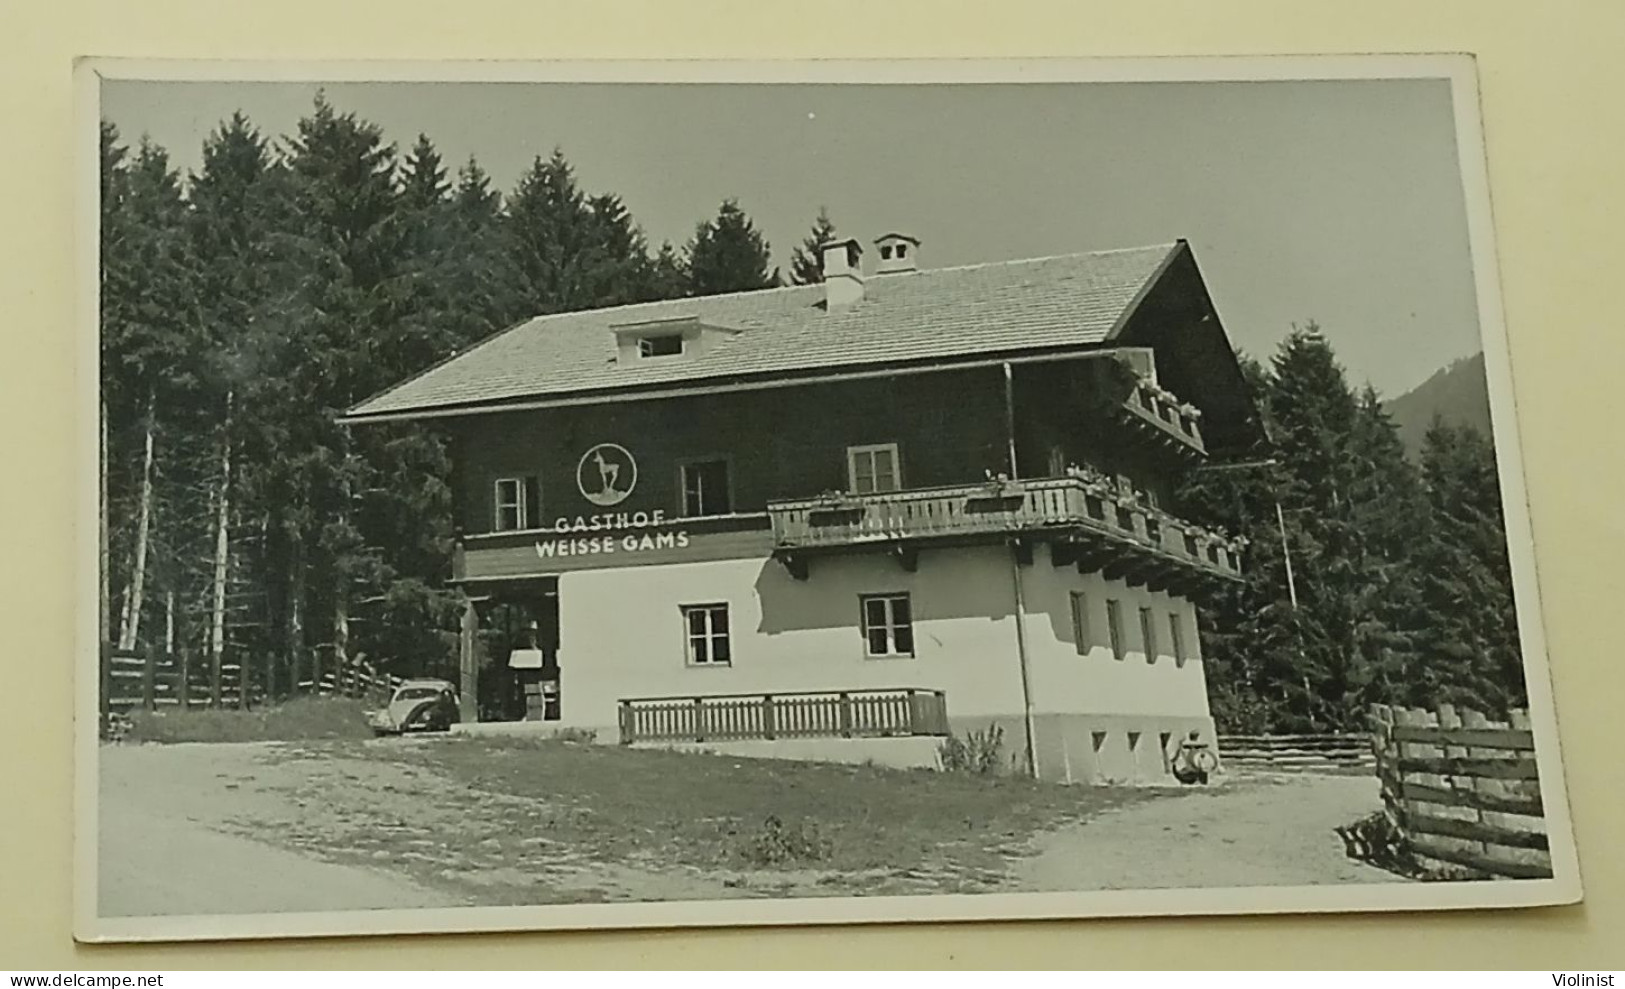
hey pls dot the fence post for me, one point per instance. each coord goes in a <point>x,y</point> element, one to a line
<point>242,680</point>
<point>628,729</point>
<point>149,679</point>
<point>769,728</point>
<point>106,680</point>
<point>270,678</point>
<point>1477,720</point>
<point>845,716</point>
<point>184,687</point>
<point>215,656</point>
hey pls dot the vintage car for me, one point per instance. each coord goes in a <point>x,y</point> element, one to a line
<point>417,705</point>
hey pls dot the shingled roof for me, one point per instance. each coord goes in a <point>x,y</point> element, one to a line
<point>1074,300</point>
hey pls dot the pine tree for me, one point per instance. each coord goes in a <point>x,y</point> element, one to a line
<point>1468,650</point>
<point>728,254</point>
<point>148,349</point>
<point>550,223</point>
<point>238,224</point>
<point>668,274</point>
<point>1341,504</point>
<point>807,260</point>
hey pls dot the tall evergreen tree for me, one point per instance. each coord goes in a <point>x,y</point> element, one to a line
<point>149,349</point>
<point>807,261</point>
<point>550,224</point>
<point>239,219</point>
<point>728,254</point>
<point>1469,652</point>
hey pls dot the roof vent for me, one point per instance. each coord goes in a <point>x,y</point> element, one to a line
<point>898,252</point>
<point>843,273</point>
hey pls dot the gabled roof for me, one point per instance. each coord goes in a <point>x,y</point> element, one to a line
<point>946,314</point>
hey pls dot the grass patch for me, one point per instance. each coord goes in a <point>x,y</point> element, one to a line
<point>298,719</point>
<point>721,812</point>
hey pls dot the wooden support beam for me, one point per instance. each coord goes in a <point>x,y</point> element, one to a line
<point>1024,551</point>
<point>1063,553</point>
<point>907,556</point>
<point>795,565</point>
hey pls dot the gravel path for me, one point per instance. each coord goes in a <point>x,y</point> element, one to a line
<point>163,851</point>
<point>259,828</point>
<point>1246,831</point>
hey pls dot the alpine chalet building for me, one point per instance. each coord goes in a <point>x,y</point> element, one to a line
<point>845,519</point>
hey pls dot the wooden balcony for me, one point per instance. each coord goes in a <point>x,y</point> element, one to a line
<point>901,712</point>
<point>1081,522</point>
<point>1157,416</point>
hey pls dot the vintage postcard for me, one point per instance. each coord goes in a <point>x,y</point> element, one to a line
<point>535,496</point>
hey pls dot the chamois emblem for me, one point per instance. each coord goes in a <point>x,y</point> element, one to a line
<point>606,474</point>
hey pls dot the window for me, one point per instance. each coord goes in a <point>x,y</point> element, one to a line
<point>705,488</point>
<point>1080,622</point>
<point>885,251</point>
<point>1176,638</point>
<point>873,468</point>
<point>1114,625</point>
<point>517,502</point>
<point>705,628</point>
<point>888,625</point>
<point>1148,634</point>
<point>902,250</point>
<point>664,345</point>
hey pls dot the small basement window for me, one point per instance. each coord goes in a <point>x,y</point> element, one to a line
<point>1148,634</point>
<point>663,345</point>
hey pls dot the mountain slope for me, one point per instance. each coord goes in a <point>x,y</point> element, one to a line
<point>1459,394</point>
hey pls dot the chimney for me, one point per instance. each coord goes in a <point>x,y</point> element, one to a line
<point>843,273</point>
<point>898,252</point>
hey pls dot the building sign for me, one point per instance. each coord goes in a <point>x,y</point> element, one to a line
<point>612,532</point>
<point>606,474</point>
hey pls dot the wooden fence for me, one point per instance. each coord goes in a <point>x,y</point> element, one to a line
<point>1464,791</point>
<point>1341,754</point>
<point>154,679</point>
<point>822,714</point>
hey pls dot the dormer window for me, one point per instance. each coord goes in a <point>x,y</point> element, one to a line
<point>661,345</point>
<point>677,338</point>
<point>885,251</point>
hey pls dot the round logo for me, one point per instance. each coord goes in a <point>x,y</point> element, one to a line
<point>606,474</point>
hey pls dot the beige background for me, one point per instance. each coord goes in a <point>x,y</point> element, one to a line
<point>1551,80</point>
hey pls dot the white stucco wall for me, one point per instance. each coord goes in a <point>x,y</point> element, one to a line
<point>621,635</point>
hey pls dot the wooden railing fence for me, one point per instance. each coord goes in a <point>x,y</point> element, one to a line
<point>153,679</point>
<point>821,714</point>
<point>1345,753</point>
<point>1463,790</point>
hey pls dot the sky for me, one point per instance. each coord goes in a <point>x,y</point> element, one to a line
<point>1337,202</point>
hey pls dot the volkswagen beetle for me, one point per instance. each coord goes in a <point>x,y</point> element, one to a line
<point>417,705</point>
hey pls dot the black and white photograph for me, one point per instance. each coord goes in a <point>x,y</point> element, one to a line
<point>537,496</point>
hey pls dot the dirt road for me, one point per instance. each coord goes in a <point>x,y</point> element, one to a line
<point>264,828</point>
<point>1247,831</point>
<point>165,814</point>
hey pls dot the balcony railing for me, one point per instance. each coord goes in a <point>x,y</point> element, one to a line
<point>1072,512</point>
<point>821,714</point>
<point>1150,406</point>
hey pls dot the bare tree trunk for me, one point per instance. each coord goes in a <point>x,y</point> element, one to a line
<point>222,553</point>
<point>104,552</point>
<point>341,638</point>
<point>296,601</point>
<point>131,630</point>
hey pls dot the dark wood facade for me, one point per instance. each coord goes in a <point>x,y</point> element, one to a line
<point>951,427</point>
